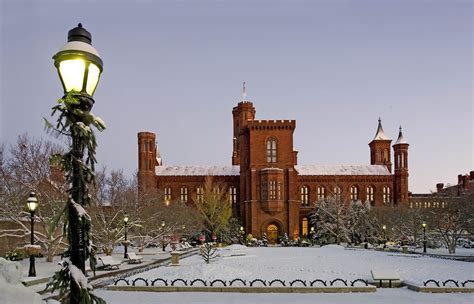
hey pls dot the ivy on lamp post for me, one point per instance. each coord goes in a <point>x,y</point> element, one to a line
<point>79,67</point>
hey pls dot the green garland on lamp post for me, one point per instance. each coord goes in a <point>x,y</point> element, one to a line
<point>79,67</point>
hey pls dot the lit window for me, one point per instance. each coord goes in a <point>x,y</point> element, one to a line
<point>184,194</point>
<point>370,194</point>
<point>321,193</point>
<point>304,195</point>
<point>279,190</point>
<point>233,195</point>
<point>167,193</point>
<point>354,193</point>
<point>272,190</point>
<point>386,195</point>
<point>200,194</point>
<point>337,192</point>
<point>271,150</point>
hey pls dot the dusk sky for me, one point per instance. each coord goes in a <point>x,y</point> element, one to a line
<point>176,68</point>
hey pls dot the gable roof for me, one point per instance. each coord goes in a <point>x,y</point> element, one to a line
<point>197,170</point>
<point>342,170</point>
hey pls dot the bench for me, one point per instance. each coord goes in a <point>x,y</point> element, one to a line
<point>390,276</point>
<point>133,258</point>
<point>108,262</point>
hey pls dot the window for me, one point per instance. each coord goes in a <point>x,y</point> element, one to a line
<point>337,192</point>
<point>200,194</point>
<point>386,195</point>
<point>150,165</point>
<point>304,195</point>
<point>272,190</point>
<point>304,226</point>
<point>145,146</point>
<point>167,193</point>
<point>279,190</point>
<point>321,193</point>
<point>233,195</point>
<point>145,163</point>
<point>184,194</point>
<point>354,193</point>
<point>264,190</point>
<point>370,194</point>
<point>271,150</point>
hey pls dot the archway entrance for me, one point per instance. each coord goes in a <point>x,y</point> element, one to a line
<point>272,234</point>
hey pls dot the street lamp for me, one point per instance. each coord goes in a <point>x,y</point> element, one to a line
<point>311,233</point>
<point>242,233</point>
<point>424,236</point>
<point>79,68</point>
<point>163,236</point>
<point>125,243</point>
<point>32,204</point>
<point>384,237</point>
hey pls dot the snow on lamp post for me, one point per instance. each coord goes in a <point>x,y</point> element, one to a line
<point>125,243</point>
<point>424,236</point>
<point>79,68</point>
<point>32,204</point>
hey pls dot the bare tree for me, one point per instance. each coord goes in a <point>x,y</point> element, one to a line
<point>28,169</point>
<point>330,217</point>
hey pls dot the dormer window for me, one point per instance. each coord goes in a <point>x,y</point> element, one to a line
<point>271,150</point>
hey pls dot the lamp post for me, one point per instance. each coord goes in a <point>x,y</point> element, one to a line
<point>79,68</point>
<point>384,237</point>
<point>163,236</point>
<point>311,232</point>
<point>242,233</point>
<point>125,243</point>
<point>32,203</point>
<point>424,236</point>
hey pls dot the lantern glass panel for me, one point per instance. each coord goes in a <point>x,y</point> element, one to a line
<point>72,74</point>
<point>92,79</point>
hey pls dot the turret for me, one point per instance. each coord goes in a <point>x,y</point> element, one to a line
<point>400,151</point>
<point>242,114</point>
<point>148,158</point>
<point>380,148</point>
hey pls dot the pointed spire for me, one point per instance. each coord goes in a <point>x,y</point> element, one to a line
<point>380,135</point>
<point>401,139</point>
<point>244,94</point>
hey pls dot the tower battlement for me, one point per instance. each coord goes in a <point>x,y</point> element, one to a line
<point>272,124</point>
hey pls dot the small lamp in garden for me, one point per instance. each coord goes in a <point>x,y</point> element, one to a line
<point>424,236</point>
<point>167,203</point>
<point>311,234</point>
<point>242,233</point>
<point>125,243</point>
<point>163,237</point>
<point>384,235</point>
<point>32,203</point>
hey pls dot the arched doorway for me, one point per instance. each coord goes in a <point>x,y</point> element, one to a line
<point>272,234</point>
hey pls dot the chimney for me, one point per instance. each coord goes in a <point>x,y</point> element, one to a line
<point>439,187</point>
<point>471,175</point>
<point>459,178</point>
<point>465,182</point>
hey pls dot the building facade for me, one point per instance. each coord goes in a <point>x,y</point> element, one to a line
<point>270,192</point>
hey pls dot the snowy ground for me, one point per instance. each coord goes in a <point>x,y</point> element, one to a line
<point>382,296</point>
<point>329,262</point>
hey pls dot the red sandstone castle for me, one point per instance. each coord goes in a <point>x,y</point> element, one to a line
<point>269,191</point>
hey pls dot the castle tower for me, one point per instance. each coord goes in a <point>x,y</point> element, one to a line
<point>380,148</point>
<point>242,114</point>
<point>148,158</point>
<point>400,151</point>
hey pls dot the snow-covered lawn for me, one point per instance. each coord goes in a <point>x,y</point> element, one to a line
<point>382,296</point>
<point>329,262</point>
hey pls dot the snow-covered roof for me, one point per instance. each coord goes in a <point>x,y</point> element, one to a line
<point>401,139</point>
<point>380,135</point>
<point>197,170</point>
<point>342,170</point>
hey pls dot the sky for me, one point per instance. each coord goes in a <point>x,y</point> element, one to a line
<point>176,68</point>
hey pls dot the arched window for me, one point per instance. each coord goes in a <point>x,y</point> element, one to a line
<point>370,194</point>
<point>200,194</point>
<point>167,194</point>
<point>304,195</point>
<point>337,192</point>
<point>354,193</point>
<point>145,146</point>
<point>271,150</point>
<point>304,226</point>
<point>321,193</point>
<point>184,194</point>
<point>386,195</point>
<point>385,155</point>
<point>233,195</point>
<point>150,165</point>
<point>145,164</point>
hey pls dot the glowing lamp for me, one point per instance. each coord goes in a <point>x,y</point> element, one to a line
<point>32,202</point>
<point>78,63</point>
